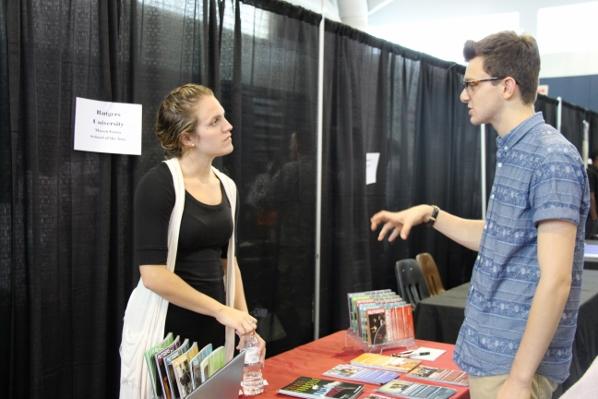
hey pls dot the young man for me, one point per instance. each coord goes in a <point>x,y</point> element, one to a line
<point>521,312</point>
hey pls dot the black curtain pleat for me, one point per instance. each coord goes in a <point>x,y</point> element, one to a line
<point>572,118</point>
<point>7,219</point>
<point>269,83</point>
<point>378,100</point>
<point>351,123</point>
<point>548,106</point>
<point>69,233</point>
<point>592,118</point>
<point>448,148</point>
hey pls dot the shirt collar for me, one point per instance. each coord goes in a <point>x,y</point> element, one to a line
<point>519,131</point>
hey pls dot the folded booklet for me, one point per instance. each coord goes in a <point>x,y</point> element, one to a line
<point>396,364</point>
<point>414,390</point>
<point>354,372</point>
<point>447,376</point>
<point>316,388</point>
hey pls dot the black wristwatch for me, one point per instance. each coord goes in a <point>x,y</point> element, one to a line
<point>432,219</point>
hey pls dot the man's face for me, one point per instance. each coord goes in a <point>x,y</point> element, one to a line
<point>483,93</point>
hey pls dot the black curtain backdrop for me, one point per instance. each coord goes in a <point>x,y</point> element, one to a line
<point>386,99</point>
<point>548,106</point>
<point>65,238</point>
<point>269,80</point>
<point>65,235</point>
<point>6,218</point>
<point>592,118</point>
<point>69,251</point>
<point>572,118</point>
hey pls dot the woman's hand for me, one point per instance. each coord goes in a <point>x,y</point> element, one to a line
<point>242,322</point>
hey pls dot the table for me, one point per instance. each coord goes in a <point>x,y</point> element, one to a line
<point>439,318</point>
<point>314,358</point>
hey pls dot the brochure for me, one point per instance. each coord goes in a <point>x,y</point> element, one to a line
<point>414,390</point>
<point>354,372</point>
<point>316,388</point>
<point>392,363</point>
<point>447,376</point>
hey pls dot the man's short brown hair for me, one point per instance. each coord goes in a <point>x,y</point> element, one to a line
<point>509,54</point>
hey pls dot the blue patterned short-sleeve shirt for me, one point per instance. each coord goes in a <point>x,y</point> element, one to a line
<point>539,176</point>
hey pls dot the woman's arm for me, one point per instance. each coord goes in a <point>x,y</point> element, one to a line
<point>240,301</point>
<point>241,304</point>
<point>175,290</point>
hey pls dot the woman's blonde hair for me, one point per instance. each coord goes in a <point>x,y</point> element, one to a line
<point>176,115</point>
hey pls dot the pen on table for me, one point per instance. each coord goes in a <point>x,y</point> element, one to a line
<point>410,354</point>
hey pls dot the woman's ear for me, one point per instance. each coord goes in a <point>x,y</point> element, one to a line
<point>186,140</point>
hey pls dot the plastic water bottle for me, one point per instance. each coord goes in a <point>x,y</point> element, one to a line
<point>253,382</point>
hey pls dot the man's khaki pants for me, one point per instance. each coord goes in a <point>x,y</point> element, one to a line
<point>487,387</point>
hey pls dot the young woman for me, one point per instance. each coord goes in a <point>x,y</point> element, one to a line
<point>188,287</point>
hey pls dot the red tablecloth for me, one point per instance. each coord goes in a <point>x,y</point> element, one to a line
<point>314,358</point>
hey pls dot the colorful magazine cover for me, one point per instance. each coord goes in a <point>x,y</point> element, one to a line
<point>169,369</point>
<point>182,375</point>
<point>195,365</point>
<point>414,390</point>
<point>160,367</point>
<point>307,387</point>
<point>354,372</point>
<point>212,363</point>
<point>376,326</point>
<point>392,363</point>
<point>149,356</point>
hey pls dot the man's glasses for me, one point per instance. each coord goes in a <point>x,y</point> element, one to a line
<point>470,84</point>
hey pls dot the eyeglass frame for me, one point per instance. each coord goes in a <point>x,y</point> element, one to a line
<point>468,85</point>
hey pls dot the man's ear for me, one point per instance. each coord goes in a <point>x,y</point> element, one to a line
<point>510,88</point>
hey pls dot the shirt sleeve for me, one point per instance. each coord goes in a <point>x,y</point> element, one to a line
<point>558,187</point>
<point>153,204</point>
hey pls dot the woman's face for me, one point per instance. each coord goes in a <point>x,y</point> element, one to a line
<point>213,133</point>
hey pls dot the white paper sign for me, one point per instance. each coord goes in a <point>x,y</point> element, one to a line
<point>371,167</point>
<point>102,126</point>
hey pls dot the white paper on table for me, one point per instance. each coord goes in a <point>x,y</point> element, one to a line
<point>434,353</point>
<point>371,167</point>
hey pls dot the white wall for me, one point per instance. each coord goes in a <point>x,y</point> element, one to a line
<point>567,36</point>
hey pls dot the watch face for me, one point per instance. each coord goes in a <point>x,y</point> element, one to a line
<point>433,216</point>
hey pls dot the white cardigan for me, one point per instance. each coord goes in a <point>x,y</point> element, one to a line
<point>145,315</point>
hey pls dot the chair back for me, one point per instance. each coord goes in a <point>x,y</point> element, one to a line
<point>430,271</point>
<point>410,281</point>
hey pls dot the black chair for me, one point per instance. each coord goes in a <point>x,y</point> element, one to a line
<point>410,280</point>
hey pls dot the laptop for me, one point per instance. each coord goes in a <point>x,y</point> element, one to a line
<point>225,384</point>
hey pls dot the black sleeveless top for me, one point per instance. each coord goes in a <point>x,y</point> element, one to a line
<point>203,242</point>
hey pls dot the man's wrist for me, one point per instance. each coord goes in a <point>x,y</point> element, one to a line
<point>431,220</point>
<point>520,380</point>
